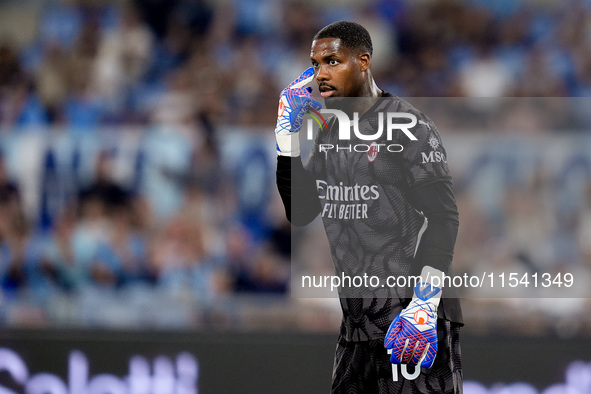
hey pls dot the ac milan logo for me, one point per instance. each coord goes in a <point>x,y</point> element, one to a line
<point>372,152</point>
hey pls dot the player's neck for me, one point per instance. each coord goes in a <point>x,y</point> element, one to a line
<point>372,89</point>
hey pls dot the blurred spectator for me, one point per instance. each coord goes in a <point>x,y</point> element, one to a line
<point>176,105</point>
<point>175,250</point>
<point>538,78</point>
<point>267,273</point>
<point>60,22</point>
<point>104,192</point>
<point>255,269</point>
<point>59,252</point>
<point>82,109</point>
<point>24,271</point>
<point>10,67</point>
<point>170,54</point>
<point>383,37</point>
<point>11,248</point>
<point>584,232</point>
<point>122,58</point>
<point>122,259</point>
<point>156,13</point>
<point>52,79</point>
<point>485,77</point>
<point>10,199</point>
<point>21,108</point>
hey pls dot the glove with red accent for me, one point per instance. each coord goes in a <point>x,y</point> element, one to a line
<point>412,336</point>
<point>294,103</point>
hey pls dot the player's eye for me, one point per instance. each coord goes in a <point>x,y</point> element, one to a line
<point>333,62</point>
<point>314,64</point>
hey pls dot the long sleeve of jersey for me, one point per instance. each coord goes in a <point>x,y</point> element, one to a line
<point>436,201</point>
<point>298,191</point>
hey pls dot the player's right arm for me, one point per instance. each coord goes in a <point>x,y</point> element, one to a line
<point>296,186</point>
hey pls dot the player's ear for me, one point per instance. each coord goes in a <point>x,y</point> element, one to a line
<point>364,61</point>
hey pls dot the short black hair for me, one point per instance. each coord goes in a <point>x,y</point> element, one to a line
<point>352,35</point>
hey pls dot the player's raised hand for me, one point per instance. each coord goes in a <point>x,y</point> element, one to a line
<point>412,336</point>
<point>294,103</point>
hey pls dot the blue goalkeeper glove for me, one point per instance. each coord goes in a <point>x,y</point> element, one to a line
<point>412,336</point>
<point>294,103</point>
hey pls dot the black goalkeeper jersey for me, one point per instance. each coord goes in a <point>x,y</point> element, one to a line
<point>387,207</point>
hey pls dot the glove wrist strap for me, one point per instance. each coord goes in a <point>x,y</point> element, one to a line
<point>288,144</point>
<point>429,289</point>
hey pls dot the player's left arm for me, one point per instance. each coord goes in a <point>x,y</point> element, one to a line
<point>437,202</point>
<point>412,336</point>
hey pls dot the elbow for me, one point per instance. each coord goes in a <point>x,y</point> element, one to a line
<point>299,220</point>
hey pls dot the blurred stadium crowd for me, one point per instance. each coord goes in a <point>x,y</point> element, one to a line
<point>87,81</point>
<point>87,63</point>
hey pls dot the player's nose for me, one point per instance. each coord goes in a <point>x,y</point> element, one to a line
<point>322,74</point>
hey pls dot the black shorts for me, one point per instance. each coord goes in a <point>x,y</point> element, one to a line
<point>364,367</point>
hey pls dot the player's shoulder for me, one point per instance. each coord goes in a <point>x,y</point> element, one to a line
<point>402,105</point>
<point>424,128</point>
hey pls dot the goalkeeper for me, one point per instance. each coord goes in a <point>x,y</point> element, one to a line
<point>405,220</point>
